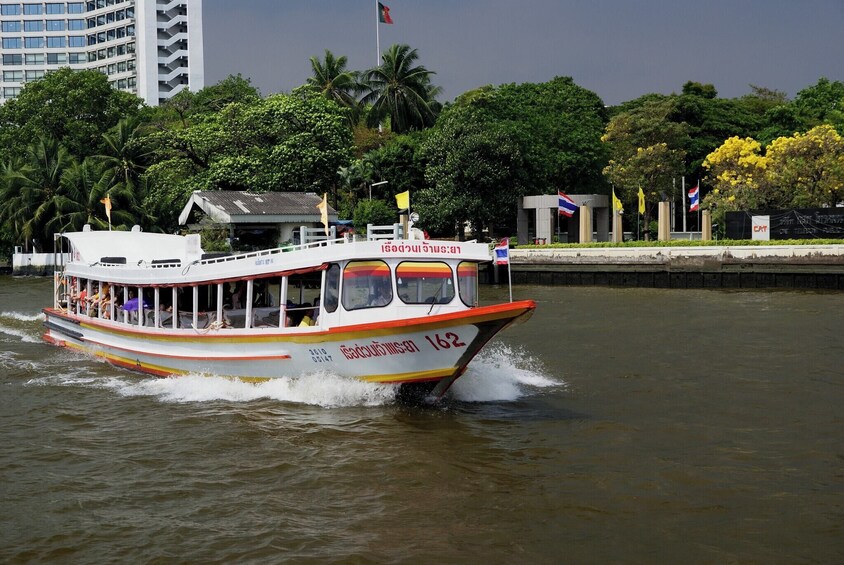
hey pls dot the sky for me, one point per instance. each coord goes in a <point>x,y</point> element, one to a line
<point>619,49</point>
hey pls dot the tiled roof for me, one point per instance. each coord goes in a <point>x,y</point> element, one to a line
<point>239,203</point>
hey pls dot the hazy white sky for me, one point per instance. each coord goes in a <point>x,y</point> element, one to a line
<point>619,49</point>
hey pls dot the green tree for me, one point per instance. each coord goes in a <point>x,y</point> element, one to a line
<point>335,82</point>
<point>821,103</point>
<point>291,142</point>
<point>84,185</point>
<point>475,173</point>
<point>230,90</point>
<point>645,145</point>
<point>557,126</point>
<point>31,194</point>
<point>400,90</point>
<point>76,107</point>
<point>375,212</point>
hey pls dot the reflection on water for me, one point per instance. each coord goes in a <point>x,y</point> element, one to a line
<point>631,425</point>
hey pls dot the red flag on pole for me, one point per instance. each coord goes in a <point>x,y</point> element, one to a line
<point>384,14</point>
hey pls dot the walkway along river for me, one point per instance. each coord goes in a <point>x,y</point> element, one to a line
<point>774,266</point>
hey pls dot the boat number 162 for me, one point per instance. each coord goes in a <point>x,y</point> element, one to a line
<point>446,341</point>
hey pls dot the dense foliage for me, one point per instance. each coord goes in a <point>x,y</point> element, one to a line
<point>69,141</point>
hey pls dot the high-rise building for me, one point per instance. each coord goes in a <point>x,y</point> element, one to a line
<point>152,48</point>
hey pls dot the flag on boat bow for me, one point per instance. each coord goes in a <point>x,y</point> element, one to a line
<point>502,252</point>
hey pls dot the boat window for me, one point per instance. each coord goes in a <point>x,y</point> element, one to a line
<point>303,292</point>
<point>420,282</point>
<point>467,282</point>
<point>332,288</point>
<point>366,284</point>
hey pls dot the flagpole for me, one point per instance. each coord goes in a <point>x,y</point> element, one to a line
<point>509,276</point>
<point>683,190</point>
<point>699,201</point>
<point>377,35</point>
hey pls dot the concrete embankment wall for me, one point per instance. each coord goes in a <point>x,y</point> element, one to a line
<point>35,263</point>
<point>775,266</point>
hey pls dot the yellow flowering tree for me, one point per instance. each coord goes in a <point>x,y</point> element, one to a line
<point>807,170</point>
<point>736,171</point>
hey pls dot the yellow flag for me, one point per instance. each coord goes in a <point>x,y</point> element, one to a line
<point>323,211</point>
<point>641,201</point>
<point>403,200</point>
<point>616,203</point>
<point>107,202</point>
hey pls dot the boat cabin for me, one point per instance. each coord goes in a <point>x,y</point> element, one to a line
<point>166,282</point>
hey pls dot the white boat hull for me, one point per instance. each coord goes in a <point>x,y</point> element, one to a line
<point>430,349</point>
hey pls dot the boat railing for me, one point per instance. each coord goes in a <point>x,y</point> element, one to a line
<point>375,233</point>
<point>267,252</point>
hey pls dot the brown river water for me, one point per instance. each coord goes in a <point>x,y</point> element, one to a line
<point>616,426</point>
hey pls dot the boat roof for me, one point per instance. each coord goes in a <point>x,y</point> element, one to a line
<point>155,258</point>
<point>135,246</point>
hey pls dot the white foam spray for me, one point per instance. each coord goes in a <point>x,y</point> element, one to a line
<point>499,373</point>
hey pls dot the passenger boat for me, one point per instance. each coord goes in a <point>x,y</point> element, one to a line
<point>382,309</point>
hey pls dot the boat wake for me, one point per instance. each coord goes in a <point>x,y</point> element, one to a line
<point>499,373</point>
<point>15,326</point>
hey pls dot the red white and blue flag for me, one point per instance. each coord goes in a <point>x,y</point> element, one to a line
<point>502,252</point>
<point>566,205</point>
<point>694,199</point>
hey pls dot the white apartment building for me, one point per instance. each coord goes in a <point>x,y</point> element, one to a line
<point>152,48</point>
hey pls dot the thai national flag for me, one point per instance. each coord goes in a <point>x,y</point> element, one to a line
<point>502,252</point>
<point>566,205</point>
<point>694,199</point>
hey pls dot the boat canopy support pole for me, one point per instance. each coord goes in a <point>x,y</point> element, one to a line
<point>282,303</point>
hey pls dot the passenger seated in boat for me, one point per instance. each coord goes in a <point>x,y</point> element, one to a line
<point>105,301</point>
<point>77,295</point>
<point>93,300</point>
<point>239,296</point>
<point>296,312</point>
<point>381,297</point>
<point>261,297</point>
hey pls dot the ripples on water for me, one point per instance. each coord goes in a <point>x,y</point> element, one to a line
<point>617,425</point>
<point>113,466</point>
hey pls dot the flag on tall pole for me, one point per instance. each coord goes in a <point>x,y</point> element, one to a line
<point>641,201</point>
<point>107,202</point>
<point>323,211</point>
<point>565,205</point>
<point>384,14</point>
<point>617,206</point>
<point>694,198</point>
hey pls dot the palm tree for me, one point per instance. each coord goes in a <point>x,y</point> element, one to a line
<point>125,159</point>
<point>401,91</point>
<point>31,191</point>
<point>84,186</point>
<point>336,83</point>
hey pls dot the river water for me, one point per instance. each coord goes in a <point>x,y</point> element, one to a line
<point>617,425</point>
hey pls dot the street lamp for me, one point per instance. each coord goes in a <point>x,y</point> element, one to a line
<point>379,183</point>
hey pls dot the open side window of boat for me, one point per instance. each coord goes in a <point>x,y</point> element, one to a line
<point>467,283</point>
<point>424,282</point>
<point>303,292</point>
<point>366,284</point>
